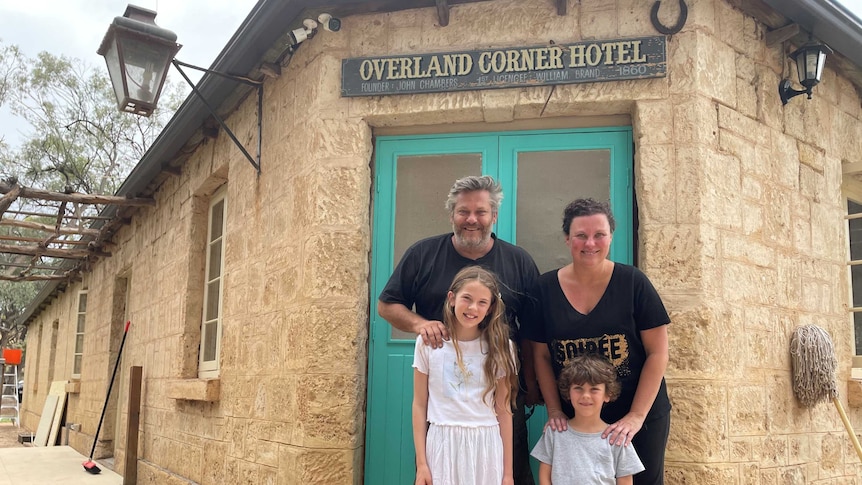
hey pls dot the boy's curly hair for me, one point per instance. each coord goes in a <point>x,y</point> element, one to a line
<point>589,369</point>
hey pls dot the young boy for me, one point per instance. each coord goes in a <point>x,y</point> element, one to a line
<point>579,455</point>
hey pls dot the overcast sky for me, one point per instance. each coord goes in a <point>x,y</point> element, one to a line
<point>854,6</point>
<point>75,28</point>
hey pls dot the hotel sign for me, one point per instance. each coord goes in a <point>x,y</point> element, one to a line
<point>614,60</point>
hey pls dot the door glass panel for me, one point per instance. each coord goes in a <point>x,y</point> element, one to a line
<point>420,197</point>
<point>547,181</point>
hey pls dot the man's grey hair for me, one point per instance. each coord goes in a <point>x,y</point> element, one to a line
<point>472,183</point>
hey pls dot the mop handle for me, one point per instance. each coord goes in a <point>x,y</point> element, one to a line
<point>113,375</point>
<point>848,426</point>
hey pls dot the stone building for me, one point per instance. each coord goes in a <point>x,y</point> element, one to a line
<point>251,294</point>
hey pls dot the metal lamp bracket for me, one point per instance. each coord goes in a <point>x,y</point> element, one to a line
<point>786,92</point>
<point>442,12</point>
<point>257,84</point>
<point>561,6</point>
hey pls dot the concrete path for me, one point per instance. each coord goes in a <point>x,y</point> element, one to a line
<point>49,465</point>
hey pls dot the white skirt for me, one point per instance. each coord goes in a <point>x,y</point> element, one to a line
<point>465,456</point>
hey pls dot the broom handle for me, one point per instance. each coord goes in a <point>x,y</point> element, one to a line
<point>113,375</point>
<point>848,426</point>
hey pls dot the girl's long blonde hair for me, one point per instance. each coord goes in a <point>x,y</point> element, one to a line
<point>499,359</point>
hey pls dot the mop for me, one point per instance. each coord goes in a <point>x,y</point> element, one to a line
<point>90,465</point>
<point>813,357</point>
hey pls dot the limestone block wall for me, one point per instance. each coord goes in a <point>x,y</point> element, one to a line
<point>45,365</point>
<point>757,248</point>
<point>740,229</point>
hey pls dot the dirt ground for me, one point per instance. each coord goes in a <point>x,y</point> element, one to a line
<point>9,436</point>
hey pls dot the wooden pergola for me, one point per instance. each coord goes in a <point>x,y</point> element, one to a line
<point>64,232</point>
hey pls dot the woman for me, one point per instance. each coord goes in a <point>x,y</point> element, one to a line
<point>594,305</point>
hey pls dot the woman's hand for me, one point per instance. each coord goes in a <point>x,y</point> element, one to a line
<point>423,475</point>
<point>508,480</point>
<point>622,432</point>
<point>557,420</point>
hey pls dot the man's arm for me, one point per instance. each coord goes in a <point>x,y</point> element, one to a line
<point>399,316</point>
<point>529,275</point>
<point>528,369</point>
<point>396,301</point>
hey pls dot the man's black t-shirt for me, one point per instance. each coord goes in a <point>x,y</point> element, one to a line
<point>426,271</point>
<point>629,305</point>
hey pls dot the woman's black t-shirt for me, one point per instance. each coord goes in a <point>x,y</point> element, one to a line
<point>629,305</point>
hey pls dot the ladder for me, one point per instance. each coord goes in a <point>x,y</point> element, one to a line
<point>9,396</point>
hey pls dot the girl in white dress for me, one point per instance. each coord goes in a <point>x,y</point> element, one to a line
<point>466,390</point>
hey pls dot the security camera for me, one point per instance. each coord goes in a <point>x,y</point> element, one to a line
<point>309,27</point>
<point>297,36</point>
<point>329,22</point>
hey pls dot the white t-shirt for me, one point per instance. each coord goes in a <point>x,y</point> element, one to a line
<point>456,399</point>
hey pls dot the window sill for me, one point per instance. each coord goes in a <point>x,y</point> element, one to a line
<point>194,389</point>
<point>73,387</point>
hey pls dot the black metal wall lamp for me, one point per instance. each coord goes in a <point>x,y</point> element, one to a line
<point>809,59</point>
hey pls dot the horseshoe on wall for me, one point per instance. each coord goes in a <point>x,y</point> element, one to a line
<point>683,15</point>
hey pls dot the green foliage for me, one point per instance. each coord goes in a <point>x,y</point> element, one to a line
<point>9,60</point>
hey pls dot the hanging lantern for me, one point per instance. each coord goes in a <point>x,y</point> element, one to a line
<point>138,53</point>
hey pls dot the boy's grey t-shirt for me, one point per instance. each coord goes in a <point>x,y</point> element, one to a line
<point>585,458</point>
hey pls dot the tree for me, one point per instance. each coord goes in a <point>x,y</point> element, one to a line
<point>78,138</point>
<point>9,60</point>
<point>14,298</point>
<point>75,139</point>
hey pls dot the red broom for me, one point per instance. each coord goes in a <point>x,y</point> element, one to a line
<point>90,465</point>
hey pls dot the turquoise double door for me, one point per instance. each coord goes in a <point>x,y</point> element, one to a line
<point>540,173</point>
